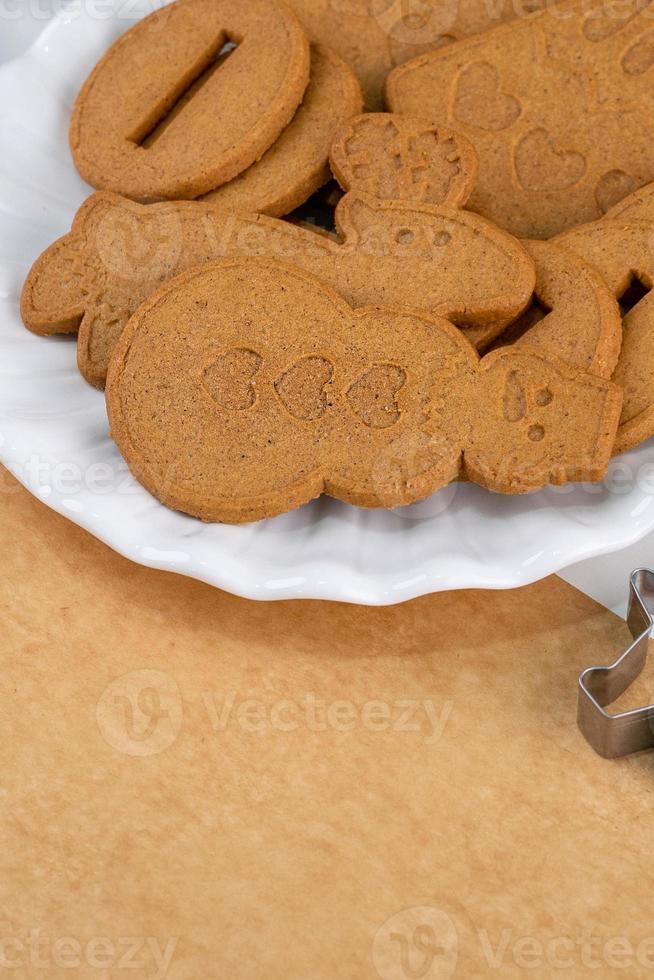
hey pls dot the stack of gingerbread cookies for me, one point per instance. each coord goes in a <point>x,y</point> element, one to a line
<point>473,304</point>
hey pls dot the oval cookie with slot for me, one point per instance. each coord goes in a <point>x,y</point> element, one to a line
<point>297,164</point>
<point>189,98</point>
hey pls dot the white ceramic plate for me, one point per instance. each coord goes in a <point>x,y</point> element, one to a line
<point>53,426</point>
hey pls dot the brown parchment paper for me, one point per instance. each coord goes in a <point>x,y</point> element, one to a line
<point>196,786</point>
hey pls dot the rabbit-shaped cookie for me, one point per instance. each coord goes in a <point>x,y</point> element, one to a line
<point>427,255</point>
<point>246,387</point>
<point>573,314</point>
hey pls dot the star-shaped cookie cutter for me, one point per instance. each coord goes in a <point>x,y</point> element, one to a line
<point>617,735</point>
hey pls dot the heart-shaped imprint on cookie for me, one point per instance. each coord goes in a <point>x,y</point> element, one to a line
<point>541,165</point>
<point>301,389</point>
<point>479,100</point>
<point>373,398</point>
<point>228,379</point>
<point>409,405</point>
<point>640,56</point>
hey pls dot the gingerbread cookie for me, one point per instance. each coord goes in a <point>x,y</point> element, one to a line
<point>376,35</point>
<point>574,315</point>
<point>396,158</point>
<point>558,105</point>
<point>189,98</point>
<point>297,164</point>
<point>377,407</point>
<point>622,253</point>
<point>441,260</point>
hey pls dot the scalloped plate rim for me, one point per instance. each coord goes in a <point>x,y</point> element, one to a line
<point>331,577</point>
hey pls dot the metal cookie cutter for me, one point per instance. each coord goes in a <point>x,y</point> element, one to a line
<point>613,736</point>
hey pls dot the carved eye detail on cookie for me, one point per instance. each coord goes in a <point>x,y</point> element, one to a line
<point>229,379</point>
<point>515,400</point>
<point>373,398</point>
<point>405,236</point>
<point>301,389</point>
<point>517,403</point>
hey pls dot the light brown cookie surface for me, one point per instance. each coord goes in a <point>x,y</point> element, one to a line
<point>638,206</point>
<point>170,112</point>
<point>441,260</point>
<point>574,315</point>
<point>623,254</point>
<point>376,35</point>
<point>559,106</point>
<point>395,158</point>
<point>246,388</point>
<point>297,164</point>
